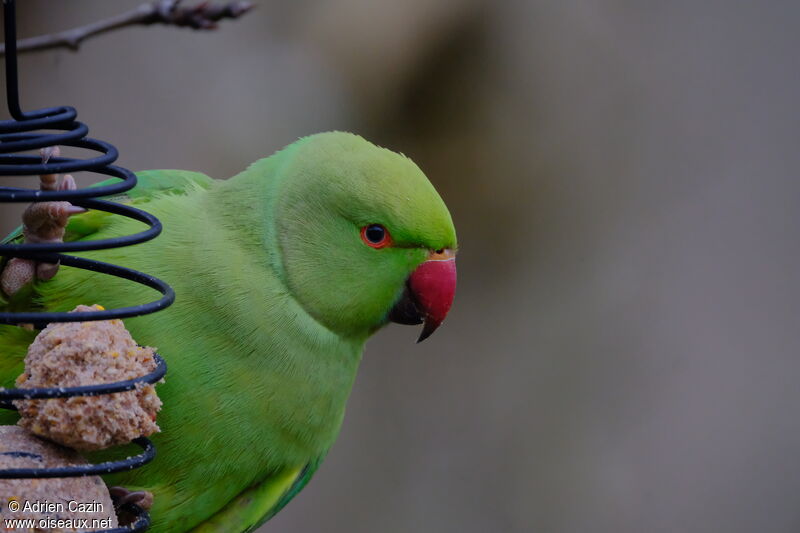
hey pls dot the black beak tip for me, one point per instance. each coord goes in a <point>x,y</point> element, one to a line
<point>427,330</point>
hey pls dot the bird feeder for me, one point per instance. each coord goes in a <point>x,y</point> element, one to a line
<point>24,133</point>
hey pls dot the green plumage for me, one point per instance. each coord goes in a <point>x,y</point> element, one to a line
<point>276,296</point>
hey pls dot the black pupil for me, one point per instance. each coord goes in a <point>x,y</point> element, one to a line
<point>375,233</point>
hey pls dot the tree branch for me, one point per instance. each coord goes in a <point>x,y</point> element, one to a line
<point>203,16</point>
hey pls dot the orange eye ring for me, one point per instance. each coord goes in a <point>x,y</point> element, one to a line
<point>375,236</point>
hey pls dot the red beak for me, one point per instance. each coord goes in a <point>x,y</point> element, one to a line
<point>433,287</point>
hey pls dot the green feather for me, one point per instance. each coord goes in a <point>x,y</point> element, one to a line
<point>259,503</point>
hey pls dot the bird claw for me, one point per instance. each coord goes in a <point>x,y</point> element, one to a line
<point>42,222</point>
<point>121,496</point>
<point>49,151</point>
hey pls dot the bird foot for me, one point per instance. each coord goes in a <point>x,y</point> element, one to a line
<point>42,222</point>
<point>121,496</point>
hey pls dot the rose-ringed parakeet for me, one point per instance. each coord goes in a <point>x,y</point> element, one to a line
<point>281,272</point>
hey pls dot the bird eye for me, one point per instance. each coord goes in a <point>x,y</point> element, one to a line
<point>375,236</point>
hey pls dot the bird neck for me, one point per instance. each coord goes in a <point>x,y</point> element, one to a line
<point>246,204</point>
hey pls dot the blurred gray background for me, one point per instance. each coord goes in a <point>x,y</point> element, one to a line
<point>623,351</point>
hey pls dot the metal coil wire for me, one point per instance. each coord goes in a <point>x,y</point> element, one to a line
<point>20,134</point>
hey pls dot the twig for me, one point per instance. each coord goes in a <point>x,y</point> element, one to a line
<point>203,16</point>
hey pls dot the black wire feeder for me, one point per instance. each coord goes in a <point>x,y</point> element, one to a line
<point>19,135</point>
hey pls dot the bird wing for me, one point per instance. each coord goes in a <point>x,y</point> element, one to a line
<point>14,341</point>
<point>150,184</point>
<point>258,503</point>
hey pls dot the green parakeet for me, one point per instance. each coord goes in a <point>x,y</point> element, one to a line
<point>281,272</point>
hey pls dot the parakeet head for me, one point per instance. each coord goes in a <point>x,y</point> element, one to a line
<point>364,237</point>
